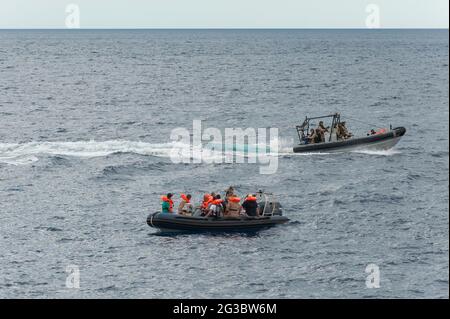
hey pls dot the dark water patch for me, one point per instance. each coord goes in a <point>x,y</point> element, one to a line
<point>133,169</point>
<point>379,198</point>
<point>59,217</point>
<point>65,240</point>
<point>413,176</point>
<point>295,222</point>
<point>58,160</point>
<point>107,289</point>
<point>440,154</point>
<point>50,229</point>
<point>15,189</point>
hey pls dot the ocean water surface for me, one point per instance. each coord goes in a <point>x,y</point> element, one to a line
<point>85,124</point>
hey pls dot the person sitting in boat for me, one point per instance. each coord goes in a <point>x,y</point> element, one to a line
<point>185,207</point>
<point>233,206</point>
<point>317,136</point>
<point>311,138</point>
<point>250,205</point>
<point>379,131</point>
<point>222,204</point>
<point>216,208</point>
<point>167,203</point>
<point>345,134</point>
<point>207,200</point>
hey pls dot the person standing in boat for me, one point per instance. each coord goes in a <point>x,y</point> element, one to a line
<point>229,192</point>
<point>167,203</point>
<point>322,129</point>
<point>318,136</point>
<point>233,206</point>
<point>185,207</point>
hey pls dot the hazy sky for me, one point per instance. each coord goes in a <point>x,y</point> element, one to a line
<point>224,13</point>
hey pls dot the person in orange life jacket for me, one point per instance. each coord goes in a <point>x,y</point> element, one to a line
<point>229,192</point>
<point>250,205</point>
<point>379,131</point>
<point>233,206</point>
<point>213,197</point>
<point>167,203</point>
<point>185,207</point>
<point>216,207</point>
<point>207,199</point>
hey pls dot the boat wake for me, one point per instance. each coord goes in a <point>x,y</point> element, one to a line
<point>27,153</point>
<point>18,160</point>
<point>389,152</point>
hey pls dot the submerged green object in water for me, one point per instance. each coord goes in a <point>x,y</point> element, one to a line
<point>242,148</point>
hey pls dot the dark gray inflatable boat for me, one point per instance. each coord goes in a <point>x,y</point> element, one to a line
<point>383,139</point>
<point>176,223</point>
<point>270,215</point>
<point>377,142</point>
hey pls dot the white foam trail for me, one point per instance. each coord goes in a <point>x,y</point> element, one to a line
<point>25,153</point>
<point>286,145</point>
<point>389,152</point>
<point>286,148</point>
<point>13,153</point>
<point>81,148</point>
<point>306,154</point>
<point>19,160</point>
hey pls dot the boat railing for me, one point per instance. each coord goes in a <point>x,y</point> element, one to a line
<point>269,203</point>
<point>303,129</point>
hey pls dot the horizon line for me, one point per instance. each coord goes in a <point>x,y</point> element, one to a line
<point>224,28</point>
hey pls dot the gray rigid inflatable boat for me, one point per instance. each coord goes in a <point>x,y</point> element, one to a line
<point>270,215</point>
